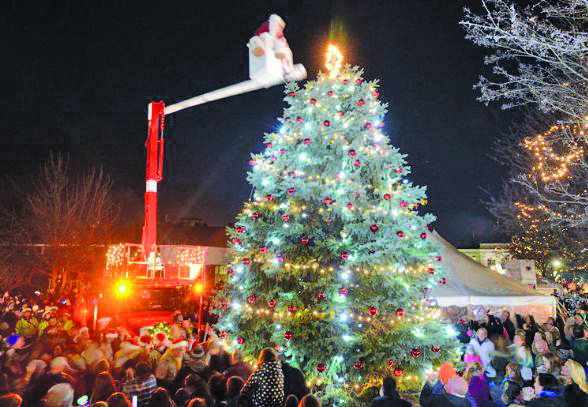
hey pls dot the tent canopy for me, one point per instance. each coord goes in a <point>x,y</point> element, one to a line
<point>470,283</point>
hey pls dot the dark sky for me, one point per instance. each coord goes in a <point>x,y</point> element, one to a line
<point>77,77</point>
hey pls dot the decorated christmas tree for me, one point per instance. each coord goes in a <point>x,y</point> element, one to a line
<point>332,261</point>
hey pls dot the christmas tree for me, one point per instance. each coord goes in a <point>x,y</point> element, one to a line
<point>332,261</point>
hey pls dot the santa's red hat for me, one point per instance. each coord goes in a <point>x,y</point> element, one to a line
<point>161,336</point>
<point>179,343</point>
<point>145,340</point>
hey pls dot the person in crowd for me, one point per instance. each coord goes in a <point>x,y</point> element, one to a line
<point>238,367</point>
<point>10,400</point>
<point>27,324</point>
<point>161,398</point>
<point>484,347</point>
<point>197,402</point>
<point>118,399</point>
<point>194,386</point>
<point>455,394</point>
<point>580,345</point>
<point>512,375</point>
<point>217,387</point>
<point>60,395</point>
<point>546,389</point>
<point>541,349</point>
<point>234,386</point>
<point>576,389</point>
<point>265,387</point>
<point>507,324</point>
<point>170,363</point>
<point>141,383</point>
<point>501,355</point>
<point>512,396</point>
<point>550,326</point>
<point>309,401</point>
<point>104,387</point>
<point>433,391</point>
<point>478,392</point>
<point>389,397</point>
<point>551,364</point>
<point>294,382</point>
<point>522,356</point>
<point>291,401</point>
<point>571,322</point>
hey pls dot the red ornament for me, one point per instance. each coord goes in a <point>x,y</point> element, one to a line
<point>320,296</point>
<point>443,281</point>
<point>357,163</point>
<point>330,93</point>
<point>230,272</point>
<point>343,291</point>
<point>286,217</point>
<point>374,228</point>
<point>300,119</point>
<point>376,93</point>
<point>387,197</point>
<point>291,191</point>
<point>304,240</point>
<point>269,197</point>
<point>358,81</point>
<point>312,101</point>
<point>423,235</point>
<point>293,174</point>
<point>339,113</point>
<point>307,141</point>
<point>277,347</point>
<point>372,310</point>
<point>251,162</point>
<point>345,81</point>
<point>328,220</point>
<point>400,233</point>
<point>400,312</point>
<point>398,371</point>
<point>272,303</point>
<point>328,201</point>
<point>251,299</point>
<point>268,145</point>
<point>255,215</point>
<point>439,259</point>
<point>352,153</point>
<point>403,204</point>
<point>246,261</point>
<point>436,349</point>
<point>326,123</point>
<point>240,340</point>
<point>358,364</point>
<point>399,170</point>
<point>321,367</point>
<point>349,205</point>
<point>360,102</point>
<point>415,352</point>
<point>345,255</point>
<point>282,151</point>
<point>431,270</point>
<point>292,94</point>
<point>236,241</point>
<point>368,126</point>
<point>263,249</point>
<point>288,335</point>
<point>240,229</point>
<point>292,308</point>
<point>390,363</point>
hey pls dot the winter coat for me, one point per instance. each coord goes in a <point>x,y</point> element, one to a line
<point>478,390</point>
<point>394,401</point>
<point>547,402</point>
<point>483,350</point>
<point>168,367</point>
<point>574,396</point>
<point>580,349</point>
<point>510,328</point>
<point>265,387</point>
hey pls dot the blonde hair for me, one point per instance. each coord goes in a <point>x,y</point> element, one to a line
<point>469,373</point>
<point>578,375</point>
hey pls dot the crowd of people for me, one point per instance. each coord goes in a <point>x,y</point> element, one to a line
<point>514,361</point>
<point>50,359</point>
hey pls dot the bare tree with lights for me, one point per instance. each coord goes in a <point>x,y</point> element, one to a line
<point>540,54</point>
<point>62,225</point>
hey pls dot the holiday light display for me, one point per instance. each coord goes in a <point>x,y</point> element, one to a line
<point>331,259</point>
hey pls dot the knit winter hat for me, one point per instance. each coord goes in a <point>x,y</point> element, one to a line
<point>447,372</point>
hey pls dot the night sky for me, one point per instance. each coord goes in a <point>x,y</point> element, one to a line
<point>77,77</point>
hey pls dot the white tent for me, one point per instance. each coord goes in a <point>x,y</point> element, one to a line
<point>470,283</point>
